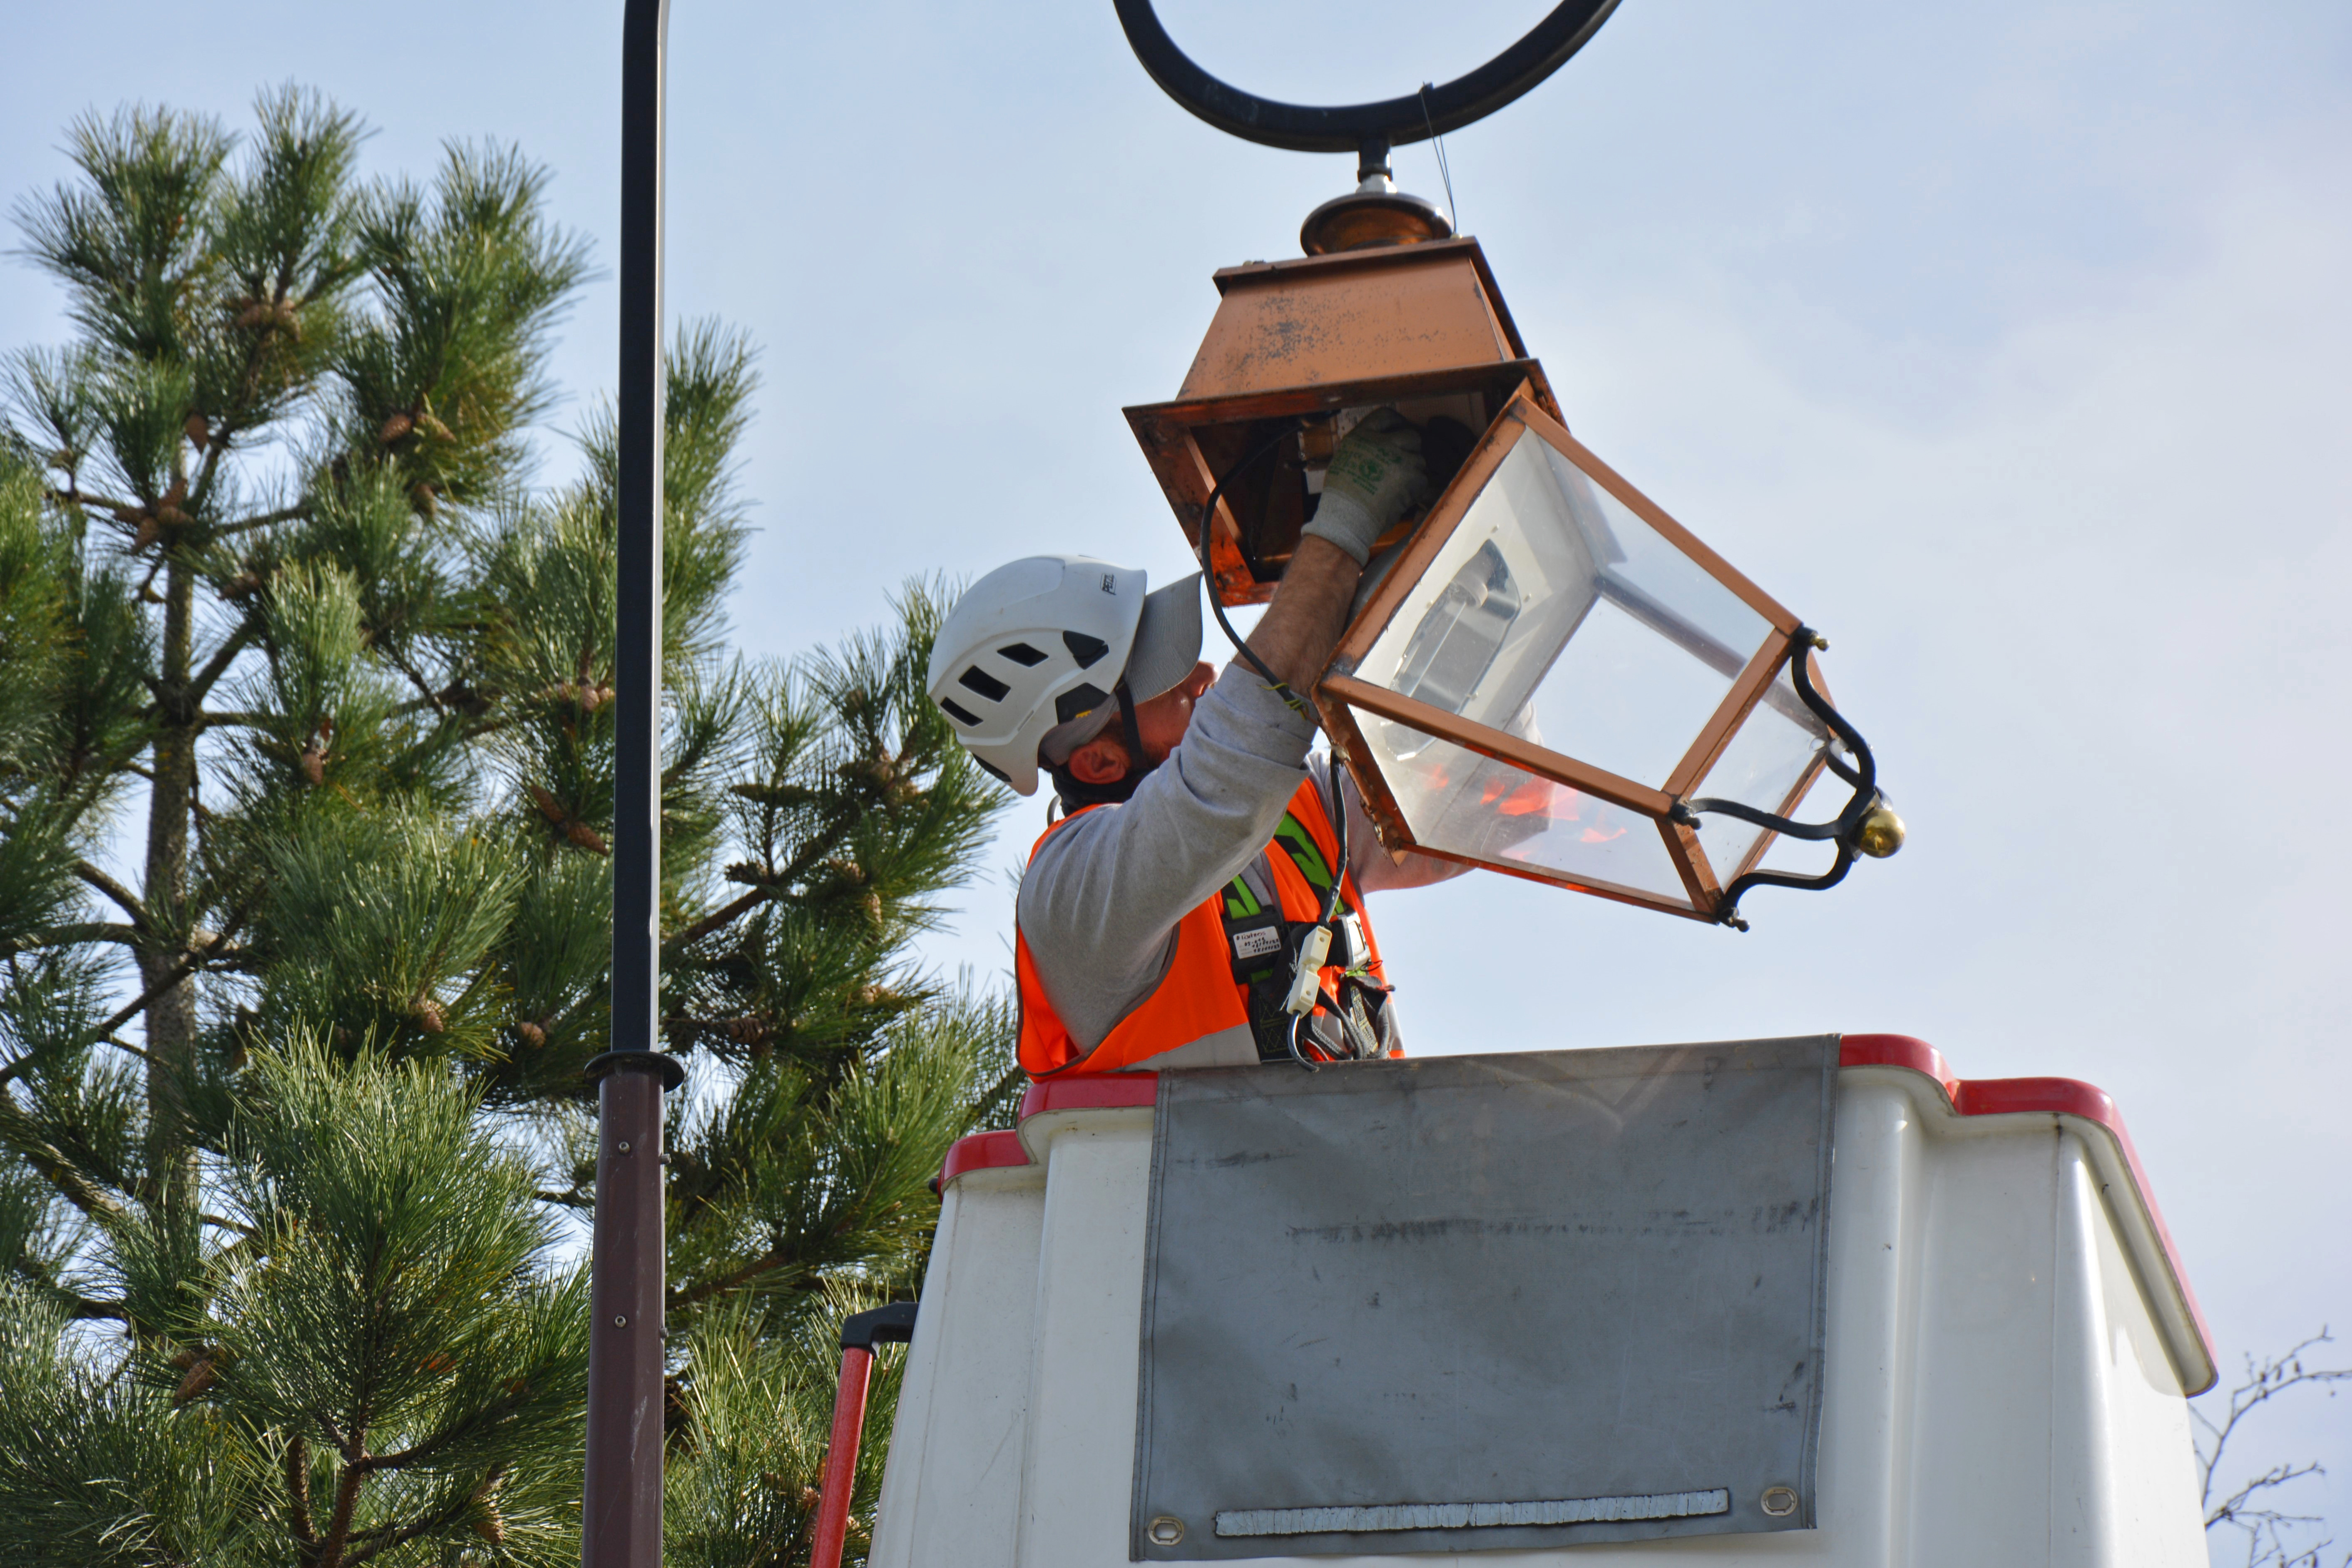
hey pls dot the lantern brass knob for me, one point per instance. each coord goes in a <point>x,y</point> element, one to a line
<point>1880,833</point>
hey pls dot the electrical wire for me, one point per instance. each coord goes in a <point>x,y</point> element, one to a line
<point>1444,171</point>
<point>1209,572</point>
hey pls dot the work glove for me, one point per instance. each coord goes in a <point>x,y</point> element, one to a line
<point>1375,474</point>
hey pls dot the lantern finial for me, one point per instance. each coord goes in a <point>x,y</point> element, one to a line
<point>1374,212</point>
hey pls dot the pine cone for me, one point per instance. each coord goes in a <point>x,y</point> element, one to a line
<point>171,516</point>
<point>747,1031</point>
<point>396,426</point>
<point>533,1035</point>
<point>201,1376</point>
<point>150,531</point>
<point>428,1015</point>
<point>241,587</point>
<point>255,314</point>
<point>585,836</point>
<point>546,804</point>
<point>198,431</point>
<point>490,1523</point>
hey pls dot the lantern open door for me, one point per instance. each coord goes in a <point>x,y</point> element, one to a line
<point>1552,666</point>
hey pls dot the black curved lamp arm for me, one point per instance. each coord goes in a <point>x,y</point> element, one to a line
<point>1361,127</point>
<point>1862,777</point>
<point>1728,911</point>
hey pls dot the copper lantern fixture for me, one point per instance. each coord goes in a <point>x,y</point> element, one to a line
<point>1546,674</point>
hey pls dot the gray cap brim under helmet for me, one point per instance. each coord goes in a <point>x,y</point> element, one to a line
<point>1166,649</point>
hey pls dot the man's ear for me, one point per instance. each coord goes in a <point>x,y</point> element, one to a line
<point>1101,761</point>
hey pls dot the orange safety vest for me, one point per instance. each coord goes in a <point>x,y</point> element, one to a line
<point>1204,992</point>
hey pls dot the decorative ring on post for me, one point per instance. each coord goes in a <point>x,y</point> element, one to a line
<point>1353,127</point>
<point>673,1071</point>
<point>1375,213</point>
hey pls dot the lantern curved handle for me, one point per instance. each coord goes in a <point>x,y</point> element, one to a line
<point>1866,826</point>
<point>1368,128</point>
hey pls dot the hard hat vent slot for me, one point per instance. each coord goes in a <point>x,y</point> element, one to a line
<point>1077,703</point>
<point>957,712</point>
<point>1020,653</point>
<point>975,679</point>
<point>1084,648</point>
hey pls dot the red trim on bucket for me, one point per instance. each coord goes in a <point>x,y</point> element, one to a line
<point>981,1152</point>
<point>1103,1091</point>
<point>2033,1096</point>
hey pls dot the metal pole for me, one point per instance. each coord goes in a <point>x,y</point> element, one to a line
<point>841,1459</point>
<point>621,1526</point>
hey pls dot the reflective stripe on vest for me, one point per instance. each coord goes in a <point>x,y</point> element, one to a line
<point>1198,999</point>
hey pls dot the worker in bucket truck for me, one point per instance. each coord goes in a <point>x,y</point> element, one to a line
<point>1183,910</point>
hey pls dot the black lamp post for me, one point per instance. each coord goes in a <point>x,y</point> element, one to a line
<point>621,1526</point>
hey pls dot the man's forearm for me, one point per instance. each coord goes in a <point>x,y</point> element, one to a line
<point>1309,611</point>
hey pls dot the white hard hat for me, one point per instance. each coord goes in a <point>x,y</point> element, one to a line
<point>1036,648</point>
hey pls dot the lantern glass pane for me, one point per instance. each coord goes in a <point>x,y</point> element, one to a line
<point>1552,594</point>
<point>1766,759</point>
<point>1467,805</point>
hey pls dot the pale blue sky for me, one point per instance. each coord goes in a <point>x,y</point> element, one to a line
<point>2006,343</point>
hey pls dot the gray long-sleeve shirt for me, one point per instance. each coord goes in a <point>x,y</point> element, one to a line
<point>1101,900</point>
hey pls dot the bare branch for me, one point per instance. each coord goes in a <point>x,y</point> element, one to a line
<point>2267,1543</point>
<point>718,918</point>
<point>223,657</point>
<point>121,895</point>
<point>78,932</point>
<point>49,1163</point>
<point>263,520</point>
<point>188,964</point>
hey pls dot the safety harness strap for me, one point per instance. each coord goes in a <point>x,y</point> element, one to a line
<point>1264,947</point>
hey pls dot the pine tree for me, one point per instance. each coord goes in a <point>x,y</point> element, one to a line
<point>297,1149</point>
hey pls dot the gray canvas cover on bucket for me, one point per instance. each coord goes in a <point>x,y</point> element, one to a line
<point>1464,1303</point>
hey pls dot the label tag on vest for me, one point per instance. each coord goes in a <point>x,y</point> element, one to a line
<point>1257,943</point>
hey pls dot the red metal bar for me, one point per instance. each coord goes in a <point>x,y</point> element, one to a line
<point>841,1458</point>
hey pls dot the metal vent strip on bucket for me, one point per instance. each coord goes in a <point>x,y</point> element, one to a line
<point>1469,1515</point>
